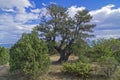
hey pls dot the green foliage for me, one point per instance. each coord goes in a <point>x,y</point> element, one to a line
<point>29,56</point>
<point>116,75</point>
<point>4,56</point>
<point>117,55</point>
<point>68,29</point>
<point>51,49</point>
<point>83,58</point>
<point>109,65</point>
<point>81,50</point>
<point>100,48</point>
<point>105,47</point>
<point>78,68</point>
<point>78,49</point>
<point>106,53</point>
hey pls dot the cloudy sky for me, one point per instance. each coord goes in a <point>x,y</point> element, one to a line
<point>18,16</point>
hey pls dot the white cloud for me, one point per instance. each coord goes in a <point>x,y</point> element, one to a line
<point>25,17</point>
<point>73,10</point>
<point>8,10</point>
<point>111,33</point>
<point>44,4</point>
<point>20,5</point>
<point>36,10</point>
<point>106,17</point>
<point>14,3</point>
<point>13,24</point>
<point>53,3</point>
<point>104,10</point>
<point>107,20</point>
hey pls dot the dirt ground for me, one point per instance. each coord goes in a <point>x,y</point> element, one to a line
<point>4,69</point>
<point>54,72</point>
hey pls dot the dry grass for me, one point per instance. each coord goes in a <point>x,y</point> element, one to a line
<point>72,58</point>
<point>55,71</point>
<point>4,71</point>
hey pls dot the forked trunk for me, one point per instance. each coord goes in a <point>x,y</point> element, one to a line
<point>63,57</point>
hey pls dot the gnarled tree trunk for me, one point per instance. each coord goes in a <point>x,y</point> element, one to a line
<point>64,55</point>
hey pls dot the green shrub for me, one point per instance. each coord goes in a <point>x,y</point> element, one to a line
<point>29,56</point>
<point>83,58</point>
<point>108,65</point>
<point>4,56</point>
<point>78,68</point>
<point>116,75</point>
<point>106,47</point>
<point>117,55</point>
<point>51,49</point>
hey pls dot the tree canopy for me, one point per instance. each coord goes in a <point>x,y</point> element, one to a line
<point>61,31</point>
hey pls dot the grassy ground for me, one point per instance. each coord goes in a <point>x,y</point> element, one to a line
<point>55,71</point>
<point>4,72</point>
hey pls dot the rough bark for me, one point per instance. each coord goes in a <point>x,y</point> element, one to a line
<point>64,53</point>
<point>63,57</point>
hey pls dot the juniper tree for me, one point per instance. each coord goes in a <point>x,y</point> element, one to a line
<point>60,31</point>
<point>29,56</point>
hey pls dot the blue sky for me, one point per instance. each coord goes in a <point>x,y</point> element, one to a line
<point>18,16</point>
<point>90,4</point>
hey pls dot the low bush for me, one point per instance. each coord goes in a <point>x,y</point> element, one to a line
<point>4,56</point>
<point>29,56</point>
<point>117,55</point>
<point>108,65</point>
<point>78,68</point>
<point>116,75</point>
